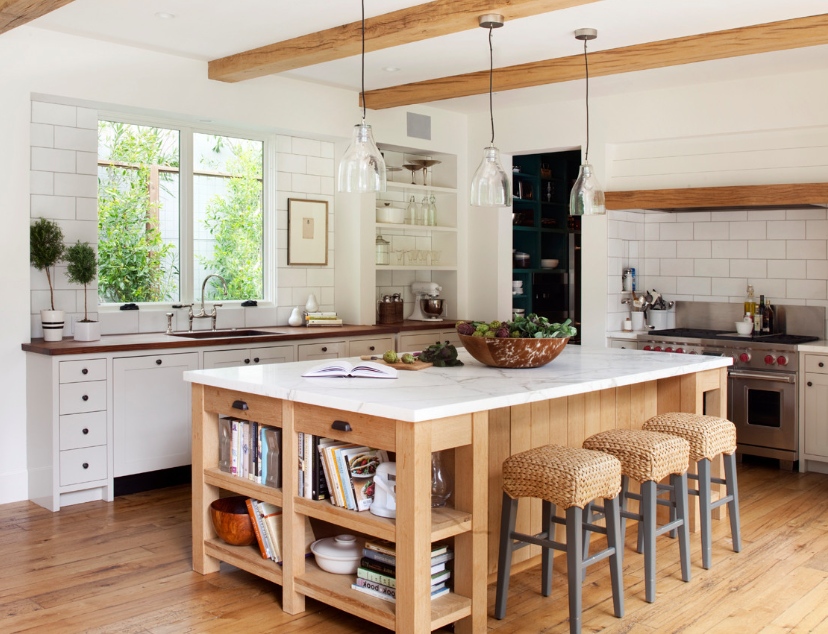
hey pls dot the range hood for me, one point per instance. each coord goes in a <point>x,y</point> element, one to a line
<point>790,196</point>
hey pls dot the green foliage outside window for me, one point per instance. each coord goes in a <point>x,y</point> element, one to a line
<point>235,223</point>
<point>135,264</point>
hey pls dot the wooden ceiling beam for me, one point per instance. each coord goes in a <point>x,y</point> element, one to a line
<point>14,13</point>
<point>749,40</point>
<point>420,22</point>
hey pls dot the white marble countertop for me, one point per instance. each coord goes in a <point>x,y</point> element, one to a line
<point>814,346</point>
<point>439,392</point>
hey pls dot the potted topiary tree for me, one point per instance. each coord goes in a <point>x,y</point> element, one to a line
<point>45,250</point>
<point>82,269</point>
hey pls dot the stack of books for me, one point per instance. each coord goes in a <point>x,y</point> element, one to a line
<point>254,452</point>
<point>340,472</point>
<point>322,319</point>
<point>267,525</point>
<point>376,574</point>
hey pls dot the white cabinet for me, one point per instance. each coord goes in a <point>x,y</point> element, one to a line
<point>67,434</point>
<point>360,347</point>
<point>623,344</point>
<point>415,341</point>
<point>248,356</point>
<point>815,408</point>
<point>322,350</point>
<point>151,412</point>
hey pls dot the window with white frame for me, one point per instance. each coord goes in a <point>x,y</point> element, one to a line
<point>174,206</point>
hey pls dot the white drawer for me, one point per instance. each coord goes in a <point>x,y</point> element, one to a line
<point>816,363</point>
<point>330,350</point>
<point>89,370</point>
<point>77,398</point>
<point>82,465</point>
<point>360,347</point>
<point>82,430</point>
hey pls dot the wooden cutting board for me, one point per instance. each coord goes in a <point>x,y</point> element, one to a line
<point>417,365</point>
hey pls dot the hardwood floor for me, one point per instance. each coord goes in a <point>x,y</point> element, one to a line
<point>125,567</point>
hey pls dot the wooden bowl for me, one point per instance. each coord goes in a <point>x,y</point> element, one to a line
<point>232,521</point>
<point>513,352</point>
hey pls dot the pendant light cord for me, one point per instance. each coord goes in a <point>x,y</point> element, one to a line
<point>491,74</point>
<point>586,69</point>
<point>362,93</point>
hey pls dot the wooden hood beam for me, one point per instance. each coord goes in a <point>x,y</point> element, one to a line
<point>15,13</point>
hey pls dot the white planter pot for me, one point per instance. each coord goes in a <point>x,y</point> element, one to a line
<point>52,321</point>
<point>87,330</point>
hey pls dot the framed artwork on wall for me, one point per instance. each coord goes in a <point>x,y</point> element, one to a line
<point>307,231</point>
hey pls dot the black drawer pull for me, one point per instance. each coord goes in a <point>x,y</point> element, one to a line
<point>85,371</point>
<point>247,360</point>
<point>85,431</point>
<point>255,359</point>
<point>85,397</point>
<point>810,384</point>
<point>158,362</point>
<point>371,348</point>
<point>325,349</point>
<point>341,425</point>
<point>240,405</point>
<point>85,465</point>
<point>821,364</point>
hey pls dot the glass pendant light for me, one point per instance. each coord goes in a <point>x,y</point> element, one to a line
<point>587,197</point>
<point>362,168</point>
<point>490,186</point>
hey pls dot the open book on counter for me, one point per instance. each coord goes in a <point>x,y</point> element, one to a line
<point>364,369</point>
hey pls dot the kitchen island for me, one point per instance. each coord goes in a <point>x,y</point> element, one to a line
<point>480,414</point>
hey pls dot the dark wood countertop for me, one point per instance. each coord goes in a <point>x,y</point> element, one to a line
<point>159,340</point>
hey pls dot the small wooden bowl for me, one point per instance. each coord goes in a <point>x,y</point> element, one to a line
<point>232,521</point>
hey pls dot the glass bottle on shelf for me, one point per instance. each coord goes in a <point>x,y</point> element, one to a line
<point>440,488</point>
<point>431,217</point>
<point>423,212</point>
<point>411,212</point>
<point>750,301</point>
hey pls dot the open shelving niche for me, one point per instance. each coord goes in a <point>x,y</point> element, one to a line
<point>362,283</point>
<point>331,589</point>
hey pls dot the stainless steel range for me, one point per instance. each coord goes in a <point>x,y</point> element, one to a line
<point>762,384</point>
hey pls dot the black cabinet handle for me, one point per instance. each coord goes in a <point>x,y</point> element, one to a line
<point>85,371</point>
<point>158,362</point>
<point>324,348</point>
<point>85,397</point>
<point>240,405</point>
<point>85,431</point>
<point>255,359</point>
<point>247,360</point>
<point>371,348</point>
<point>85,465</point>
<point>341,425</point>
<point>821,364</point>
<point>810,384</point>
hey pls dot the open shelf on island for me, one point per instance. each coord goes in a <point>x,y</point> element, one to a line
<point>248,558</point>
<point>241,486</point>
<point>335,590</point>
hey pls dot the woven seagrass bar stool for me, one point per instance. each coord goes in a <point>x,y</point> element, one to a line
<point>708,436</point>
<point>649,457</point>
<point>568,477</point>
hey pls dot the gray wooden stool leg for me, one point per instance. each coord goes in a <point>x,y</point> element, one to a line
<point>547,557</point>
<point>574,565</point>
<point>504,559</point>
<point>732,489</point>
<point>682,512</point>
<point>625,485</point>
<point>705,512</point>
<point>616,560</point>
<point>649,493</point>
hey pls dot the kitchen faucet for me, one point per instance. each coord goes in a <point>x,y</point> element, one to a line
<point>202,314</point>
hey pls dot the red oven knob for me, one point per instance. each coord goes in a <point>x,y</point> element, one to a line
<point>782,360</point>
<point>744,357</point>
<point>647,347</point>
<point>769,360</point>
<point>657,348</point>
<point>668,349</point>
<point>680,350</point>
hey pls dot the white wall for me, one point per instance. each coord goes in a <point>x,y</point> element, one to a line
<point>760,130</point>
<point>80,72</point>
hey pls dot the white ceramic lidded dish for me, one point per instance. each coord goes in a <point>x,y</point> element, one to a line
<point>393,215</point>
<point>339,555</point>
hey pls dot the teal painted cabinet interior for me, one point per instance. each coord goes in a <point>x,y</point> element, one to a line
<point>543,229</point>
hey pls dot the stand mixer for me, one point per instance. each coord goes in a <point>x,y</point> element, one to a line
<point>427,305</point>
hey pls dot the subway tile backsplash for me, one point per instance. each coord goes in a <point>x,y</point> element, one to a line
<point>713,256</point>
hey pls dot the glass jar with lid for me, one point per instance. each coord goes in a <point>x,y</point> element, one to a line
<point>383,255</point>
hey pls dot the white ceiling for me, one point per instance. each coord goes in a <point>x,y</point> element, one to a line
<point>210,29</point>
